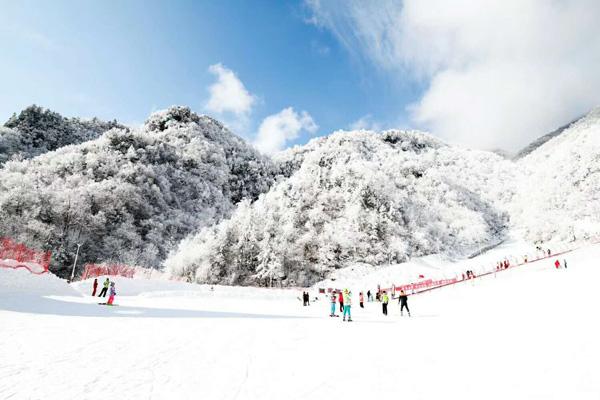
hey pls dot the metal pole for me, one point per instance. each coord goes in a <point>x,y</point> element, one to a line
<point>75,263</point>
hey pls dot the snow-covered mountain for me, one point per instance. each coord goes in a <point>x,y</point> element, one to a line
<point>185,189</point>
<point>131,195</point>
<point>37,130</point>
<point>559,186</point>
<point>355,197</point>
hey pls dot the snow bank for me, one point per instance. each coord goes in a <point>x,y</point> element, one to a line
<point>23,283</point>
<point>33,267</point>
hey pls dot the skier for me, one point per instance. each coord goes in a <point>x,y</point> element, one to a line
<point>565,263</point>
<point>403,300</point>
<point>361,300</point>
<point>557,264</point>
<point>384,302</point>
<point>333,301</point>
<point>369,295</point>
<point>347,304</point>
<point>95,286</point>
<point>112,294</point>
<point>104,288</point>
<point>341,300</point>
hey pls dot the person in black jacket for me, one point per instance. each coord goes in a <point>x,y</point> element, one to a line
<point>403,300</point>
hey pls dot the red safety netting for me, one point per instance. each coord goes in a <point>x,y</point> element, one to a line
<point>17,255</point>
<point>96,270</point>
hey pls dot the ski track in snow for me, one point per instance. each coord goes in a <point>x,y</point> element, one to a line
<point>527,333</point>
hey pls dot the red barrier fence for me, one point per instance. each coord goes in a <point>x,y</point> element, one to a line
<point>16,255</point>
<point>429,284</point>
<point>96,270</point>
<point>512,262</point>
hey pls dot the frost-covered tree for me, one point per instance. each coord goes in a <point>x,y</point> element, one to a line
<point>558,195</point>
<point>131,196</point>
<point>355,197</point>
<point>36,131</point>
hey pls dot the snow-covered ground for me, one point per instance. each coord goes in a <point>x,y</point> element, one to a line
<point>527,333</point>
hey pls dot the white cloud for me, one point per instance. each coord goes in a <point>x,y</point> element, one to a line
<point>499,73</point>
<point>228,94</point>
<point>365,122</point>
<point>278,129</point>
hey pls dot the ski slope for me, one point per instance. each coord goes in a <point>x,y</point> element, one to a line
<point>527,333</point>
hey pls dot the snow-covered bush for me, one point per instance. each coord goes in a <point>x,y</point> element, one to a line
<point>354,197</point>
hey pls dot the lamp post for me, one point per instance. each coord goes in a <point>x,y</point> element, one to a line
<point>75,263</point>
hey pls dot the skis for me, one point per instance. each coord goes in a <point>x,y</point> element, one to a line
<point>106,304</point>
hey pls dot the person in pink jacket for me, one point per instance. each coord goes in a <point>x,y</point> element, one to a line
<point>111,294</point>
<point>361,300</point>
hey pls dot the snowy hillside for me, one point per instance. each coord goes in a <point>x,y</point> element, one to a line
<point>355,197</point>
<point>130,196</point>
<point>36,131</point>
<point>559,190</point>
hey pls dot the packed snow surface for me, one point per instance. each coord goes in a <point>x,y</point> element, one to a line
<point>527,333</point>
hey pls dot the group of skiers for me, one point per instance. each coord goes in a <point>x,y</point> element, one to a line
<point>402,300</point>
<point>305,299</point>
<point>344,299</point>
<point>500,265</point>
<point>557,264</point>
<point>469,275</point>
<point>547,251</point>
<point>107,286</point>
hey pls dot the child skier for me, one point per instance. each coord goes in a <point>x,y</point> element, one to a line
<point>403,300</point>
<point>333,303</point>
<point>104,288</point>
<point>361,300</point>
<point>347,304</point>
<point>112,294</point>
<point>341,300</point>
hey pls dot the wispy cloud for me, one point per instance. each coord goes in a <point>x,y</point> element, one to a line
<point>499,72</point>
<point>366,122</point>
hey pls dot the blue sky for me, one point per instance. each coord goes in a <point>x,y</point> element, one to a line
<point>484,74</point>
<point>125,59</point>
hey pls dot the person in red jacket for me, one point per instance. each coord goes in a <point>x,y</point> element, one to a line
<point>557,264</point>
<point>341,300</point>
<point>95,286</point>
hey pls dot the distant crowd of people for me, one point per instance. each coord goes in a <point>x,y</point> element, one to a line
<point>343,298</point>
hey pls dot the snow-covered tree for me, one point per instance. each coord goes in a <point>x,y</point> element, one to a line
<point>36,131</point>
<point>558,195</point>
